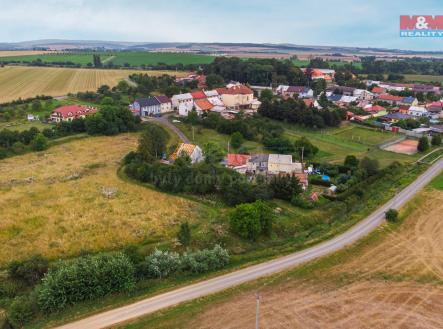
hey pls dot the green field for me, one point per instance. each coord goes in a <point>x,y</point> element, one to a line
<point>82,59</point>
<point>118,58</point>
<point>304,63</point>
<point>147,58</point>
<point>335,144</point>
<point>423,78</point>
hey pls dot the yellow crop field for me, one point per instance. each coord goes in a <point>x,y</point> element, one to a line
<point>9,53</point>
<point>55,203</point>
<point>24,82</point>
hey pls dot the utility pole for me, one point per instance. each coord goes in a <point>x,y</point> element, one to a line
<point>193,138</point>
<point>228,147</point>
<point>302,154</point>
<point>257,310</point>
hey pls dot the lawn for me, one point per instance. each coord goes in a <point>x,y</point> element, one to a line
<point>52,202</point>
<point>304,63</point>
<point>336,143</point>
<point>24,82</point>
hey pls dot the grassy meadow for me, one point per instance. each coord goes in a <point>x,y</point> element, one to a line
<point>24,82</point>
<point>52,202</point>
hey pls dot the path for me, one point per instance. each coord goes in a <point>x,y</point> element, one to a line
<point>164,120</point>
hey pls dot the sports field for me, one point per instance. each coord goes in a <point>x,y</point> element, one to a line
<point>24,82</point>
<point>122,58</point>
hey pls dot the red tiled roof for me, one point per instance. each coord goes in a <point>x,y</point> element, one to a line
<point>68,111</point>
<point>376,108</point>
<point>163,99</point>
<point>198,94</point>
<point>387,97</point>
<point>378,90</point>
<point>235,90</point>
<point>235,160</point>
<point>204,104</point>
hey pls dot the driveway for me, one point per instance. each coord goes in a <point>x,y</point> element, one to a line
<point>164,120</point>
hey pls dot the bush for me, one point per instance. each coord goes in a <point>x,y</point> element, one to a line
<point>39,142</point>
<point>285,187</point>
<point>205,260</point>
<point>250,220</point>
<point>237,140</point>
<point>184,235</point>
<point>30,270</point>
<point>301,202</point>
<point>21,311</point>
<point>370,166</point>
<point>391,215</point>
<point>423,144</point>
<point>160,264</point>
<point>436,140</point>
<point>85,278</point>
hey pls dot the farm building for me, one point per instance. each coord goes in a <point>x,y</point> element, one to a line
<point>71,112</point>
<point>194,152</point>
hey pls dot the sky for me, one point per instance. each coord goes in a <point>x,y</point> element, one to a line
<point>369,23</point>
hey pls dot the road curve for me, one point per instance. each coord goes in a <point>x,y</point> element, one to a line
<point>204,288</point>
<point>164,120</point>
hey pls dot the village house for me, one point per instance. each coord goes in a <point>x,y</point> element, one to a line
<point>71,112</point>
<point>238,97</point>
<point>203,106</point>
<point>282,164</point>
<point>363,95</point>
<point>418,111</point>
<point>180,99</point>
<point>409,101</point>
<point>238,162</point>
<point>194,152</point>
<point>342,90</point>
<point>153,105</point>
<point>390,99</point>
<point>199,78</point>
<point>257,164</point>
<point>291,91</point>
<point>315,74</point>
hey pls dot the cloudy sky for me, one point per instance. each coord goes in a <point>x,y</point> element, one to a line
<point>370,23</point>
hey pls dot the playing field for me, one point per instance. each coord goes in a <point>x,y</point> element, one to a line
<point>24,82</point>
<point>52,202</point>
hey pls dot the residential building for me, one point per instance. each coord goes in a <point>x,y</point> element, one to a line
<point>238,162</point>
<point>291,91</point>
<point>418,111</point>
<point>393,100</point>
<point>257,164</point>
<point>194,152</point>
<point>279,164</point>
<point>238,97</point>
<point>203,106</point>
<point>180,99</point>
<point>153,105</point>
<point>71,112</point>
<point>342,90</point>
<point>363,95</point>
<point>409,101</point>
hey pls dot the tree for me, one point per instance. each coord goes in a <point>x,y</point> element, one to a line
<point>391,215</point>
<point>214,81</point>
<point>184,234</point>
<point>423,144</point>
<point>36,106</point>
<point>436,140</point>
<point>266,95</point>
<point>152,143</point>
<point>370,166</point>
<point>236,139</point>
<point>160,264</point>
<point>214,154</point>
<point>351,161</point>
<point>250,220</point>
<point>285,187</point>
<point>97,60</point>
<point>39,142</point>
<point>305,148</point>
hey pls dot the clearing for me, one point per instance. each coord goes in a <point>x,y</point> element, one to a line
<point>392,279</point>
<point>25,82</point>
<point>52,202</point>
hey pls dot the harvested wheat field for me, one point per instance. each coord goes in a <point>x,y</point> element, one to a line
<point>25,82</point>
<point>11,53</point>
<point>53,202</point>
<point>394,281</point>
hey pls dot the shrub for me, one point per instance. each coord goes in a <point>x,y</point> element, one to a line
<point>39,142</point>
<point>160,264</point>
<point>370,166</point>
<point>237,140</point>
<point>85,278</point>
<point>436,140</point>
<point>250,220</point>
<point>351,161</point>
<point>391,215</point>
<point>184,235</point>
<point>423,144</point>
<point>285,187</point>
<point>205,260</point>
<point>21,311</point>
<point>30,270</point>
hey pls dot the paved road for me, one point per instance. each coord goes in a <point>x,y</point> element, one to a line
<point>230,280</point>
<point>163,120</point>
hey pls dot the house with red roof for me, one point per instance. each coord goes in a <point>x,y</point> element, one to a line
<point>393,100</point>
<point>378,90</point>
<point>71,112</point>
<point>199,94</point>
<point>238,97</point>
<point>203,106</point>
<point>238,162</point>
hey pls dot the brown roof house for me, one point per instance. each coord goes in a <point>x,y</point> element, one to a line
<point>193,151</point>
